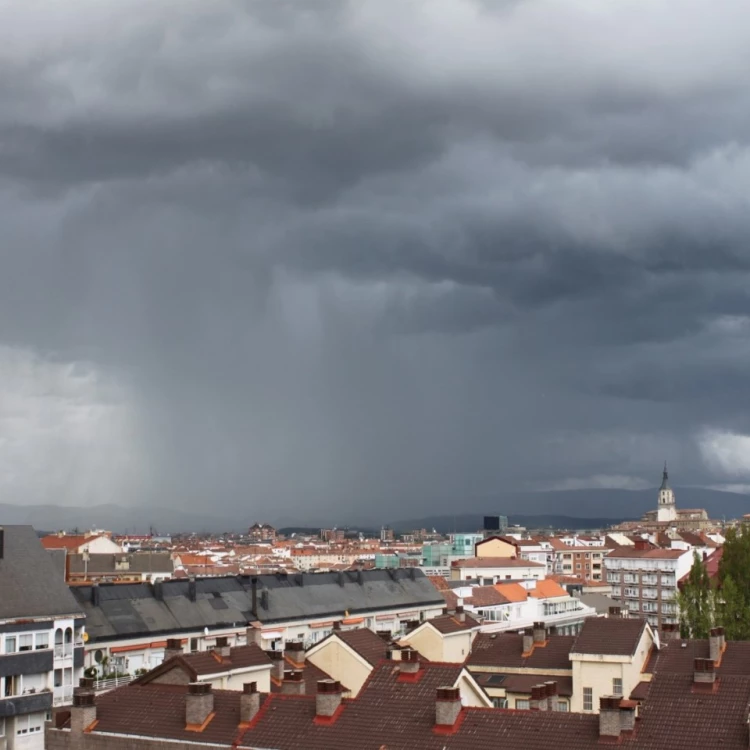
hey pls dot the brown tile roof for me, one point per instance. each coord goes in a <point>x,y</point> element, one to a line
<point>505,650</point>
<point>495,562</point>
<point>310,676</point>
<point>440,583</point>
<point>651,554</point>
<point>447,624</point>
<point>370,646</point>
<point>400,715</point>
<point>640,691</point>
<point>614,636</point>
<point>486,596</point>
<point>451,599</point>
<point>678,657</point>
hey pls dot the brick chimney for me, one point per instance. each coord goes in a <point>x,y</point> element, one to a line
<point>447,706</point>
<point>716,644</point>
<point>615,611</point>
<point>528,640</point>
<point>460,614</point>
<point>704,672</point>
<point>222,646</point>
<point>328,698</point>
<point>293,683</point>
<point>669,631</point>
<point>173,648</point>
<point>627,716</point>
<point>249,702</point>
<point>642,544</point>
<point>277,664</point>
<point>609,716</point>
<point>295,651</point>
<point>539,632</point>
<point>199,704</point>
<point>83,711</point>
<point>551,689</point>
<point>253,634</point>
<point>538,700</point>
<point>409,661</point>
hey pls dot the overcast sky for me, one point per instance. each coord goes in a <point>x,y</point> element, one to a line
<point>315,254</point>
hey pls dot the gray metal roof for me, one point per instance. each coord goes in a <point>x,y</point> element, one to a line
<point>30,581</point>
<point>129,609</point>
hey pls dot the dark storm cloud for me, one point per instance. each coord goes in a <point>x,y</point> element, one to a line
<point>340,254</point>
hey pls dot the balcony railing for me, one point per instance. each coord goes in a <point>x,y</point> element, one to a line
<point>62,695</point>
<point>101,686</point>
<point>63,651</point>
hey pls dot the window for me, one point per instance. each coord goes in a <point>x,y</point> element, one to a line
<point>42,640</point>
<point>29,724</point>
<point>588,699</point>
<point>10,644</point>
<point>193,645</point>
<point>500,702</point>
<point>616,686</point>
<point>12,685</point>
<point>562,705</point>
<point>522,705</point>
<point>26,642</point>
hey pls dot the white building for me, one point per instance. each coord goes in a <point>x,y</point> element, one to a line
<point>667,508</point>
<point>41,639</point>
<point>496,569</point>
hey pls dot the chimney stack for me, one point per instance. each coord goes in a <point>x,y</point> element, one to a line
<point>609,716</point>
<point>615,611</point>
<point>669,631</point>
<point>551,690</point>
<point>328,698</point>
<point>222,646</point>
<point>277,664</point>
<point>83,711</point>
<point>293,683</point>
<point>705,672</point>
<point>460,614</point>
<point>249,702</point>
<point>409,661</point>
<point>173,648</point>
<point>716,644</point>
<point>528,640</point>
<point>295,652</point>
<point>447,706</point>
<point>627,716</point>
<point>538,700</point>
<point>539,632</point>
<point>199,703</point>
<point>253,634</point>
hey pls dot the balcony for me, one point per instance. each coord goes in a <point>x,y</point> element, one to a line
<point>64,651</point>
<point>62,695</point>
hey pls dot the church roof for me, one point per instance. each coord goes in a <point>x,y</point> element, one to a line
<point>665,479</point>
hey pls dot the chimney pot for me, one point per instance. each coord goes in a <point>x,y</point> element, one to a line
<point>447,706</point>
<point>83,710</point>
<point>538,700</point>
<point>460,614</point>
<point>716,644</point>
<point>327,698</point>
<point>295,651</point>
<point>253,635</point>
<point>528,640</point>
<point>704,672</point>
<point>293,683</point>
<point>249,702</point>
<point>199,703</point>
<point>173,648</point>
<point>410,661</point>
<point>277,664</point>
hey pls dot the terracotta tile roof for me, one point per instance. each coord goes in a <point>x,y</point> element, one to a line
<point>495,562</point>
<point>451,599</point>
<point>440,583</point>
<point>547,589</point>
<point>513,592</point>
<point>614,636</point>
<point>486,596</point>
<point>68,541</point>
<point>506,649</point>
<point>650,554</point>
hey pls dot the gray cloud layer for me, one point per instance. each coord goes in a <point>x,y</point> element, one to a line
<point>375,255</point>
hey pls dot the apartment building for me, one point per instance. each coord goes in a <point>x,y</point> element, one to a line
<point>41,639</point>
<point>585,560</point>
<point>494,569</point>
<point>120,567</point>
<point>644,580</point>
<point>129,623</point>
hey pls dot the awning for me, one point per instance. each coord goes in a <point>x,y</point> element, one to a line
<point>385,617</point>
<point>408,614</point>
<point>123,649</point>
<point>321,624</point>
<point>271,634</point>
<point>352,620</point>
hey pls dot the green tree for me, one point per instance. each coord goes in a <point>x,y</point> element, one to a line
<point>733,600</point>
<point>696,602</point>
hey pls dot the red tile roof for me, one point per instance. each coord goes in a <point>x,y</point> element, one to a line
<point>495,562</point>
<point>447,624</point>
<point>370,646</point>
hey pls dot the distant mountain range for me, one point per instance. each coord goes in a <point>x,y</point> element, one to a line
<point>572,509</point>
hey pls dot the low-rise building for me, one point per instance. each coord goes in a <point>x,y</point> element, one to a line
<point>490,570</point>
<point>447,638</point>
<point>118,567</point>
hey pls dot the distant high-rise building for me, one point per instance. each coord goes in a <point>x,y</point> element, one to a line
<point>495,523</point>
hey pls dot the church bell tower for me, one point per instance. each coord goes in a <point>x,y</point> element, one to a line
<point>667,509</point>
